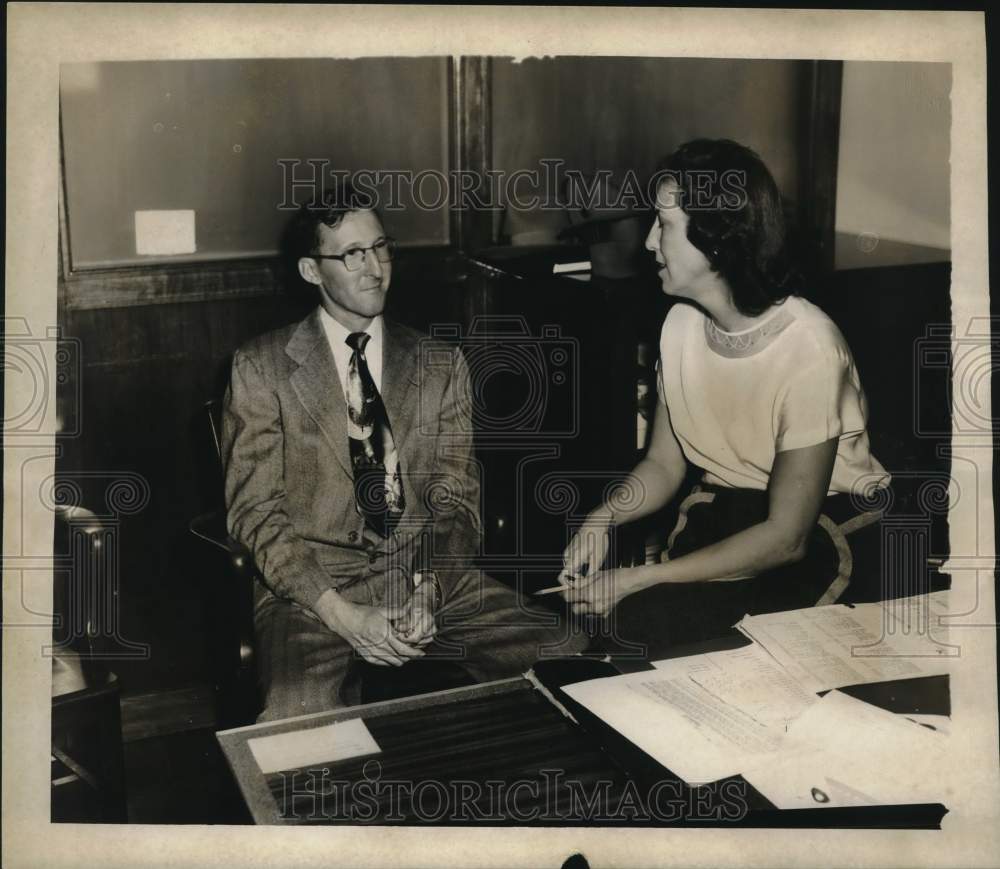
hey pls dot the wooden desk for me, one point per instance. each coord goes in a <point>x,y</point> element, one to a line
<point>503,754</point>
<point>464,755</point>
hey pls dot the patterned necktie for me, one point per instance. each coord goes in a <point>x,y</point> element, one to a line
<point>378,481</point>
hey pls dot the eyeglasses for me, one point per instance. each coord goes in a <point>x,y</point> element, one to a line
<point>354,258</point>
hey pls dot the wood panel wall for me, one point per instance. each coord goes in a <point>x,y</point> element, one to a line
<point>616,114</point>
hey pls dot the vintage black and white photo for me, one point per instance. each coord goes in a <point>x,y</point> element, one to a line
<point>531,437</point>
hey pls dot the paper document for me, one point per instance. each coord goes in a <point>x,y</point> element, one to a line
<point>748,678</point>
<point>844,752</point>
<point>709,716</point>
<point>912,626</point>
<point>833,646</point>
<point>325,744</point>
<point>701,716</point>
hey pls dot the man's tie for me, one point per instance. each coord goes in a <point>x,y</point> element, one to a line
<point>378,481</point>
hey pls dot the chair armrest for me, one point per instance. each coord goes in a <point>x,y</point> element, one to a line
<point>242,560</point>
<point>81,518</point>
<point>211,528</point>
<point>234,672</point>
<point>79,592</point>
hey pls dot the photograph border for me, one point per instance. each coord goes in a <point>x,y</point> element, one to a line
<point>42,36</point>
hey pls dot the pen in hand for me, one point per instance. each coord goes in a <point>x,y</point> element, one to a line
<point>566,586</point>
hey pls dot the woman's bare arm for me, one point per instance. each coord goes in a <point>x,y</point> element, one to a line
<point>799,482</point>
<point>650,486</point>
<point>655,480</point>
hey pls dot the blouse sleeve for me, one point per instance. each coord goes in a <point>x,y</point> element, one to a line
<point>661,393</point>
<point>821,402</point>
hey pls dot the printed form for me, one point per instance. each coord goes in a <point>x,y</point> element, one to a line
<point>834,646</point>
<point>703,716</point>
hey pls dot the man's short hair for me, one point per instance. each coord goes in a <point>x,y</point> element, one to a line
<point>302,235</point>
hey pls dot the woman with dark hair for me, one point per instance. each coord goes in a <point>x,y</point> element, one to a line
<point>759,390</point>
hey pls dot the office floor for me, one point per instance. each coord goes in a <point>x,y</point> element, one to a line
<point>181,778</point>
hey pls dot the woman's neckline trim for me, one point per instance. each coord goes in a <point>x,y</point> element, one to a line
<point>749,342</point>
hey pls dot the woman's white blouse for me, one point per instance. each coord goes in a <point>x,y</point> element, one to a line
<point>736,399</point>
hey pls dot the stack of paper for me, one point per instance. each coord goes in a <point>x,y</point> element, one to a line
<point>833,646</point>
<point>754,710</point>
<point>747,678</point>
<point>701,716</point>
<point>843,752</point>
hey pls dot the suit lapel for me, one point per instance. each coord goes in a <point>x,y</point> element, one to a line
<point>399,375</point>
<point>317,385</point>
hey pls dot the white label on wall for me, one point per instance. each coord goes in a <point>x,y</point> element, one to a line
<point>164,233</point>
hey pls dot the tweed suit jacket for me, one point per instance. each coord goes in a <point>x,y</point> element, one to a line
<point>289,483</point>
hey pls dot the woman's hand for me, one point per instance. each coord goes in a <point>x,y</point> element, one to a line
<point>588,548</point>
<point>599,593</point>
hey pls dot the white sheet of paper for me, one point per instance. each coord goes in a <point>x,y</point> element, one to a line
<point>912,626</point>
<point>164,233</point>
<point>844,752</point>
<point>714,715</point>
<point>833,646</point>
<point>760,688</point>
<point>748,678</point>
<point>693,732</point>
<point>326,744</point>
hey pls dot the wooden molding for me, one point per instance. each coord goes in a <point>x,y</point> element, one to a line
<point>819,149</point>
<point>472,148</point>
<point>163,284</point>
<point>129,286</point>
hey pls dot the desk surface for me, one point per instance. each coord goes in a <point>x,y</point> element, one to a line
<point>502,753</point>
<point>484,753</point>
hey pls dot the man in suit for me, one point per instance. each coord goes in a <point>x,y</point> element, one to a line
<point>351,478</point>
